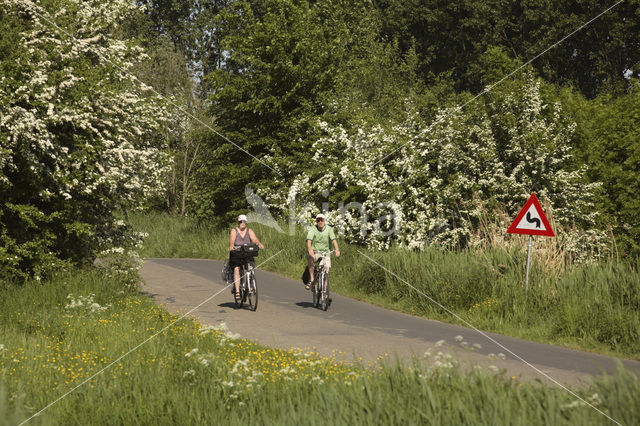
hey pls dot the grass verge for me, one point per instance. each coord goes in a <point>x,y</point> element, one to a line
<point>592,307</point>
<point>57,334</point>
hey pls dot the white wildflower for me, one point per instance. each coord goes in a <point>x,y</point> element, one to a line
<point>191,352</point>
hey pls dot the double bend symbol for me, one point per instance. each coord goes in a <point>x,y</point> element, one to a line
<point>533,220</point>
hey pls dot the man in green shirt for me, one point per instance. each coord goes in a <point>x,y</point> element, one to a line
<point>319,239</point>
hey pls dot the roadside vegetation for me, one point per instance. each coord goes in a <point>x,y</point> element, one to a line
<point>112,106</point>
<point>591,306</point>
<point>57,333</point>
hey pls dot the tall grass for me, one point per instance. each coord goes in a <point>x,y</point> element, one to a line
<point>594,306</point>
<point>569,248</point>
<point>193,374</point>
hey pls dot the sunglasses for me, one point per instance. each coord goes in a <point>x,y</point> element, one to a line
<point>242,221</point>
<point>319,220</point>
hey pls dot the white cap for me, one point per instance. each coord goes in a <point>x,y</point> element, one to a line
<point>320,216</point>
<point>242,217</point>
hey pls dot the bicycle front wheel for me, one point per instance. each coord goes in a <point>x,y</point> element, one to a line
<point>252,292</point>
<point>315,289</point>
<point>326,300</point>
<point>240,301</point>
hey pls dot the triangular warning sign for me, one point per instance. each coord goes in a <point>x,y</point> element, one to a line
<point>531,220</point>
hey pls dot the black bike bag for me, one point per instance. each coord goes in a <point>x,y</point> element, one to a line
<point>250,250</point>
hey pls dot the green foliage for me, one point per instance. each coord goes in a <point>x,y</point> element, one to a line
<point>609,143</point>
<point>271,68</point>
<point>434,171</point>
<point>451,37</point>
<point>290,61</point>
<point>195,28</point>
<point>263,73</point>
<point>77,135</point>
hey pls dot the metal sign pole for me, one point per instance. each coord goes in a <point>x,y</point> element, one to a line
<point>528,261</point>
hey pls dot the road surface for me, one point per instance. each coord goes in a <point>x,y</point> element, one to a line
<point>353,330</point>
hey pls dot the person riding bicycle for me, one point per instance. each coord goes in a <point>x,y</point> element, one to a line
<point>239,236</point>
<point>319,239</point>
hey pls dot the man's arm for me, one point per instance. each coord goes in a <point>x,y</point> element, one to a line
<point>309,241</point>
<point>332,237</point>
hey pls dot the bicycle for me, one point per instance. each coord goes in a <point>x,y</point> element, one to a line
<point>248,286</point>
<point>320,287</point>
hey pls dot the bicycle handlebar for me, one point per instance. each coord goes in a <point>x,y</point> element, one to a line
<point>238,248</point>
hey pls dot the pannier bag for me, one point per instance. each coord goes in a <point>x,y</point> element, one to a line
<point>227,273</point>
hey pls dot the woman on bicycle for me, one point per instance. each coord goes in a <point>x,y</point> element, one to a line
<point>239,236</point>
<point>319,238</point>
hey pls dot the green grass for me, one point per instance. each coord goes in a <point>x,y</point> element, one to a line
<point>593,307</point>
<point>191,374</point>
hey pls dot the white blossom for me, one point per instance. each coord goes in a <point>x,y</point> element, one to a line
<point>436,178</point>
<point>96,142</point>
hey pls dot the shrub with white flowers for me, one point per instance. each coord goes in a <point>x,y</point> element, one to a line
<point>423,184</point>
<point>79,136</point>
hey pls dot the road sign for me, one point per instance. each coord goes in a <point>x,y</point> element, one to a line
<point>531,220</point>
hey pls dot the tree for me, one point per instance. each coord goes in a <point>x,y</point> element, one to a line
<point>416,182</point>
<point>167,71</point>
<point>609,143</point>
<point>290,61</point>
<point>79,135</point>
<point>450,36</point>
<point>281,61</point>
<point>195,28</point>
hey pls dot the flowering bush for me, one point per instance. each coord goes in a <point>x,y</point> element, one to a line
<point>415,183</point>
<point>78,134</point>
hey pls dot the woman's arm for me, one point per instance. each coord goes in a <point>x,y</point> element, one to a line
<point>232,239</point>
<point>254,239</point>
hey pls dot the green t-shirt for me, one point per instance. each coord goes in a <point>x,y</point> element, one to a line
<point>321,240</point>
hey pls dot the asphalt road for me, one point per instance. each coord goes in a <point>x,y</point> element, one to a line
<point>354,330</point>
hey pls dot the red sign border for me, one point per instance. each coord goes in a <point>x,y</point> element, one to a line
<point>532,200</point>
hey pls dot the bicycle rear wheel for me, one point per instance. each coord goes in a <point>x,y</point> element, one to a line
<point>252,292</point>
<point>326,300</point>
